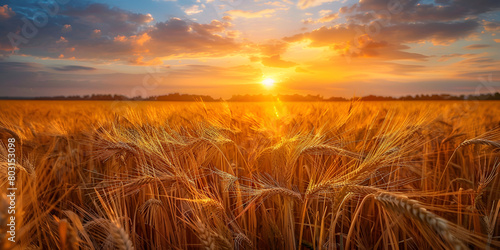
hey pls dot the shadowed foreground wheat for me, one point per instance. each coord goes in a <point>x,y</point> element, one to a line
<point>95,175</point>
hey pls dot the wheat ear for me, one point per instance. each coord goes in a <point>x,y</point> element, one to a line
<point>71,239</point>
<point>267,192</point>
<point>121,238</point>
<point>205,235</point>
<point>479,142</point>
<point>402,204</point>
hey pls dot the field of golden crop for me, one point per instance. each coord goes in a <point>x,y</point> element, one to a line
<point>362,175</point>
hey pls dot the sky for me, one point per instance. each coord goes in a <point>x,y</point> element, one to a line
<point>226,47</point>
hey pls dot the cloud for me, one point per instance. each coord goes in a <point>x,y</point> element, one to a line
<point>438,33</point>
<point>174,37</point>
<point>304,4</point>
<point>353,40</point>
<point>84,17</point>
<point>73,68</point>
<point>368,48</point>
<point>62,40</point>
<point>135,39</point>
<point>308,21</point>
<point>110,20</point>
<point>183,37</point>
<point>447,57</point>
<point>475,66</point>
<point>19,66</point>
<point>390,24</point>
<point>66,28</point>
<point>326,36</point>
<point>250,14</point>
<point>96,33</point>
<point>139,60</point>
<point>477,75</point>
<point>112,34</point>
<point>273,47</point>
<point>276,4</point>
<point>6,12</point>
<point>328,18</point>
<point>418,11</point>
<point>477,46</point>
<point>324,19</point>
<point>97,13</point>
<point>324,12</point>
<point>275,61</point>
<point>491,26</point>
<point>195,9</point>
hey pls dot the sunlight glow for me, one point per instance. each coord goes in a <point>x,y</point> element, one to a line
<point>268,82</point>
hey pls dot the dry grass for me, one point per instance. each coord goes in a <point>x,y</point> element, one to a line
<point>413,175</point>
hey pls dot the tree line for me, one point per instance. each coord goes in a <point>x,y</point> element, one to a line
<point>177,97</point>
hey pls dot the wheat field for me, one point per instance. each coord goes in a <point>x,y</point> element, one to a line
<point>326,175</point>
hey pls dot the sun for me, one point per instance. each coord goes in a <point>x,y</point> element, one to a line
<point>268,82</point>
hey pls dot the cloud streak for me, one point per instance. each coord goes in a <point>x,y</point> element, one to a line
<point>73,68</point>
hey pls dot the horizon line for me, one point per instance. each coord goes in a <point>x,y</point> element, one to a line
<point>247,97</point>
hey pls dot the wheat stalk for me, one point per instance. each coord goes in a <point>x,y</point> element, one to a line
<point>402,204</point>
<point>327,149</point>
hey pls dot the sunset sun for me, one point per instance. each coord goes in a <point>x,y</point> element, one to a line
<point>268,82</point>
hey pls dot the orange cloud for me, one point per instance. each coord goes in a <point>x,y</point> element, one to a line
<point>324,19</point>
<point>120,38</point>
<point>62,40</point>
<point>275,61</point>
<point>389,42</point>
<point>329,18</point>
<point>273,47</point>
<point>6,12</point>
<point>141,39</point>
<point>139,60</point>
<point>66,28</point>
<point>96,33</point>
<point>491,26</point>
<point>135,39</point>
